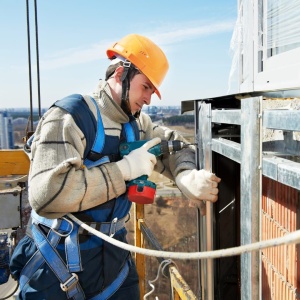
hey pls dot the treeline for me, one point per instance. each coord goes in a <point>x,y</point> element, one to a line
<point>23,114</point>
<point>179,120</point>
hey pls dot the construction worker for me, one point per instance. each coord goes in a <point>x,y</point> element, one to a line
<point>56,259</point>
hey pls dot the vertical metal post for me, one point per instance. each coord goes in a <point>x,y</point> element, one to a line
<point>199,219</point>
<point>201,246</point>
<point>250,194</point>
<point>205,162</point>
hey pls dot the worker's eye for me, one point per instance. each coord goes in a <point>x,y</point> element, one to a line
<point>148,87</point>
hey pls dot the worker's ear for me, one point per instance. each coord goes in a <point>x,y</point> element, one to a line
<point>118,73</point>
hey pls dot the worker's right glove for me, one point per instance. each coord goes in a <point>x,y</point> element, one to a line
<point>198,185</point>
<point>139,161</point>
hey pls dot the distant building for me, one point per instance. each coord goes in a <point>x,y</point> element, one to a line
<point>6,131</point>
<point>157,112</point>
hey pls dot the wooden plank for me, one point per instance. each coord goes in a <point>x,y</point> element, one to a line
<point>140,259</point>
<point>14,162</point>
<point>181,288</point>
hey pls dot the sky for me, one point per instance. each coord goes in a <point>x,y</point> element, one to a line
<point>73,36</point>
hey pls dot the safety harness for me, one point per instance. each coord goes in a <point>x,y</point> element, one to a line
<point>129,67</point>
<point>63,228</point>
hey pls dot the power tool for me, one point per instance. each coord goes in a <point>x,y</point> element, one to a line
<point>141,190</point>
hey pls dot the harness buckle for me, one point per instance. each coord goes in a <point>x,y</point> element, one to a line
<point>113,227</point>
<point>126,64</point>
<point>69,283</point>
<point>64,234</point>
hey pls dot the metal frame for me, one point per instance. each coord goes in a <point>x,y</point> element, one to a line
<point>277,168</point>
<point>253,164</point>
<point>250,194</point>
<point>203,139</point>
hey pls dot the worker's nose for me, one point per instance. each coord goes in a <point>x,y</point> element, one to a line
<point>147,99</point>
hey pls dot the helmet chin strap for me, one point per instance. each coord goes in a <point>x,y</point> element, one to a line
<point>125,104</point>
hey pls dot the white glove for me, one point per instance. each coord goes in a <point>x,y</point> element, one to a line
<point>139,161</point>
<point>198,185</point>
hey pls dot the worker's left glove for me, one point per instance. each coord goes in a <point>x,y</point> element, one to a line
<point>198,185</point>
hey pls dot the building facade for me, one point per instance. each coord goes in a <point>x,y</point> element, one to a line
<point>6,131</point>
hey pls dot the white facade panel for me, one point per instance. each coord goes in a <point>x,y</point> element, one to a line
<point>267,46</point>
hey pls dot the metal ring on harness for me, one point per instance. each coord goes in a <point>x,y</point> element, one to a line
<point>113,225</point>
<point>112,230</point>
<point>65,234</point>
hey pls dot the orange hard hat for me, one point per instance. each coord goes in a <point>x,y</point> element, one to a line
<point>145,55</point>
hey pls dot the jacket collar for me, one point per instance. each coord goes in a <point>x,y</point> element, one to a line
<point>107,105</point>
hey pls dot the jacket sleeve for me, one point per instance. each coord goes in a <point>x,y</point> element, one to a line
<point>170,165</point>
<point>58,181</point>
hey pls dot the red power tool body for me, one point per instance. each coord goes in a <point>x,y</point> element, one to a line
<point>141,190</point>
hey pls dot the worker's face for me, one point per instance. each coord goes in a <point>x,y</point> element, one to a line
<point>140,92</point>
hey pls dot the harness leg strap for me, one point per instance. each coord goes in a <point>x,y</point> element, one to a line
<point>69,281</point>
<point>115,285</point>
<point>36,261</point>
<point>72,249</point>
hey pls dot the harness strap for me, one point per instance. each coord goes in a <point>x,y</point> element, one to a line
<point>108,228</point>
<point>36,261</point>
<point>100,137</point>
<point>98,142</point>
<point>129,132</point>
<point>90,164</point>
<point>72,249</point>
<point>125,105</point>
<point>115,285</point>
<point>84,118</point>
<point>64,227</point>
<point>47,253</point>
<point>93,159</point>
<point>96,156</point>
<point>68,281</point>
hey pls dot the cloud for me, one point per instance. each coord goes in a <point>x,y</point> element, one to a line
<point>196,32</point>
<point>74,56</point>
<point>95,52</point>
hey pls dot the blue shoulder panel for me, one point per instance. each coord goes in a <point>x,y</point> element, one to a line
<point>82,115</point>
